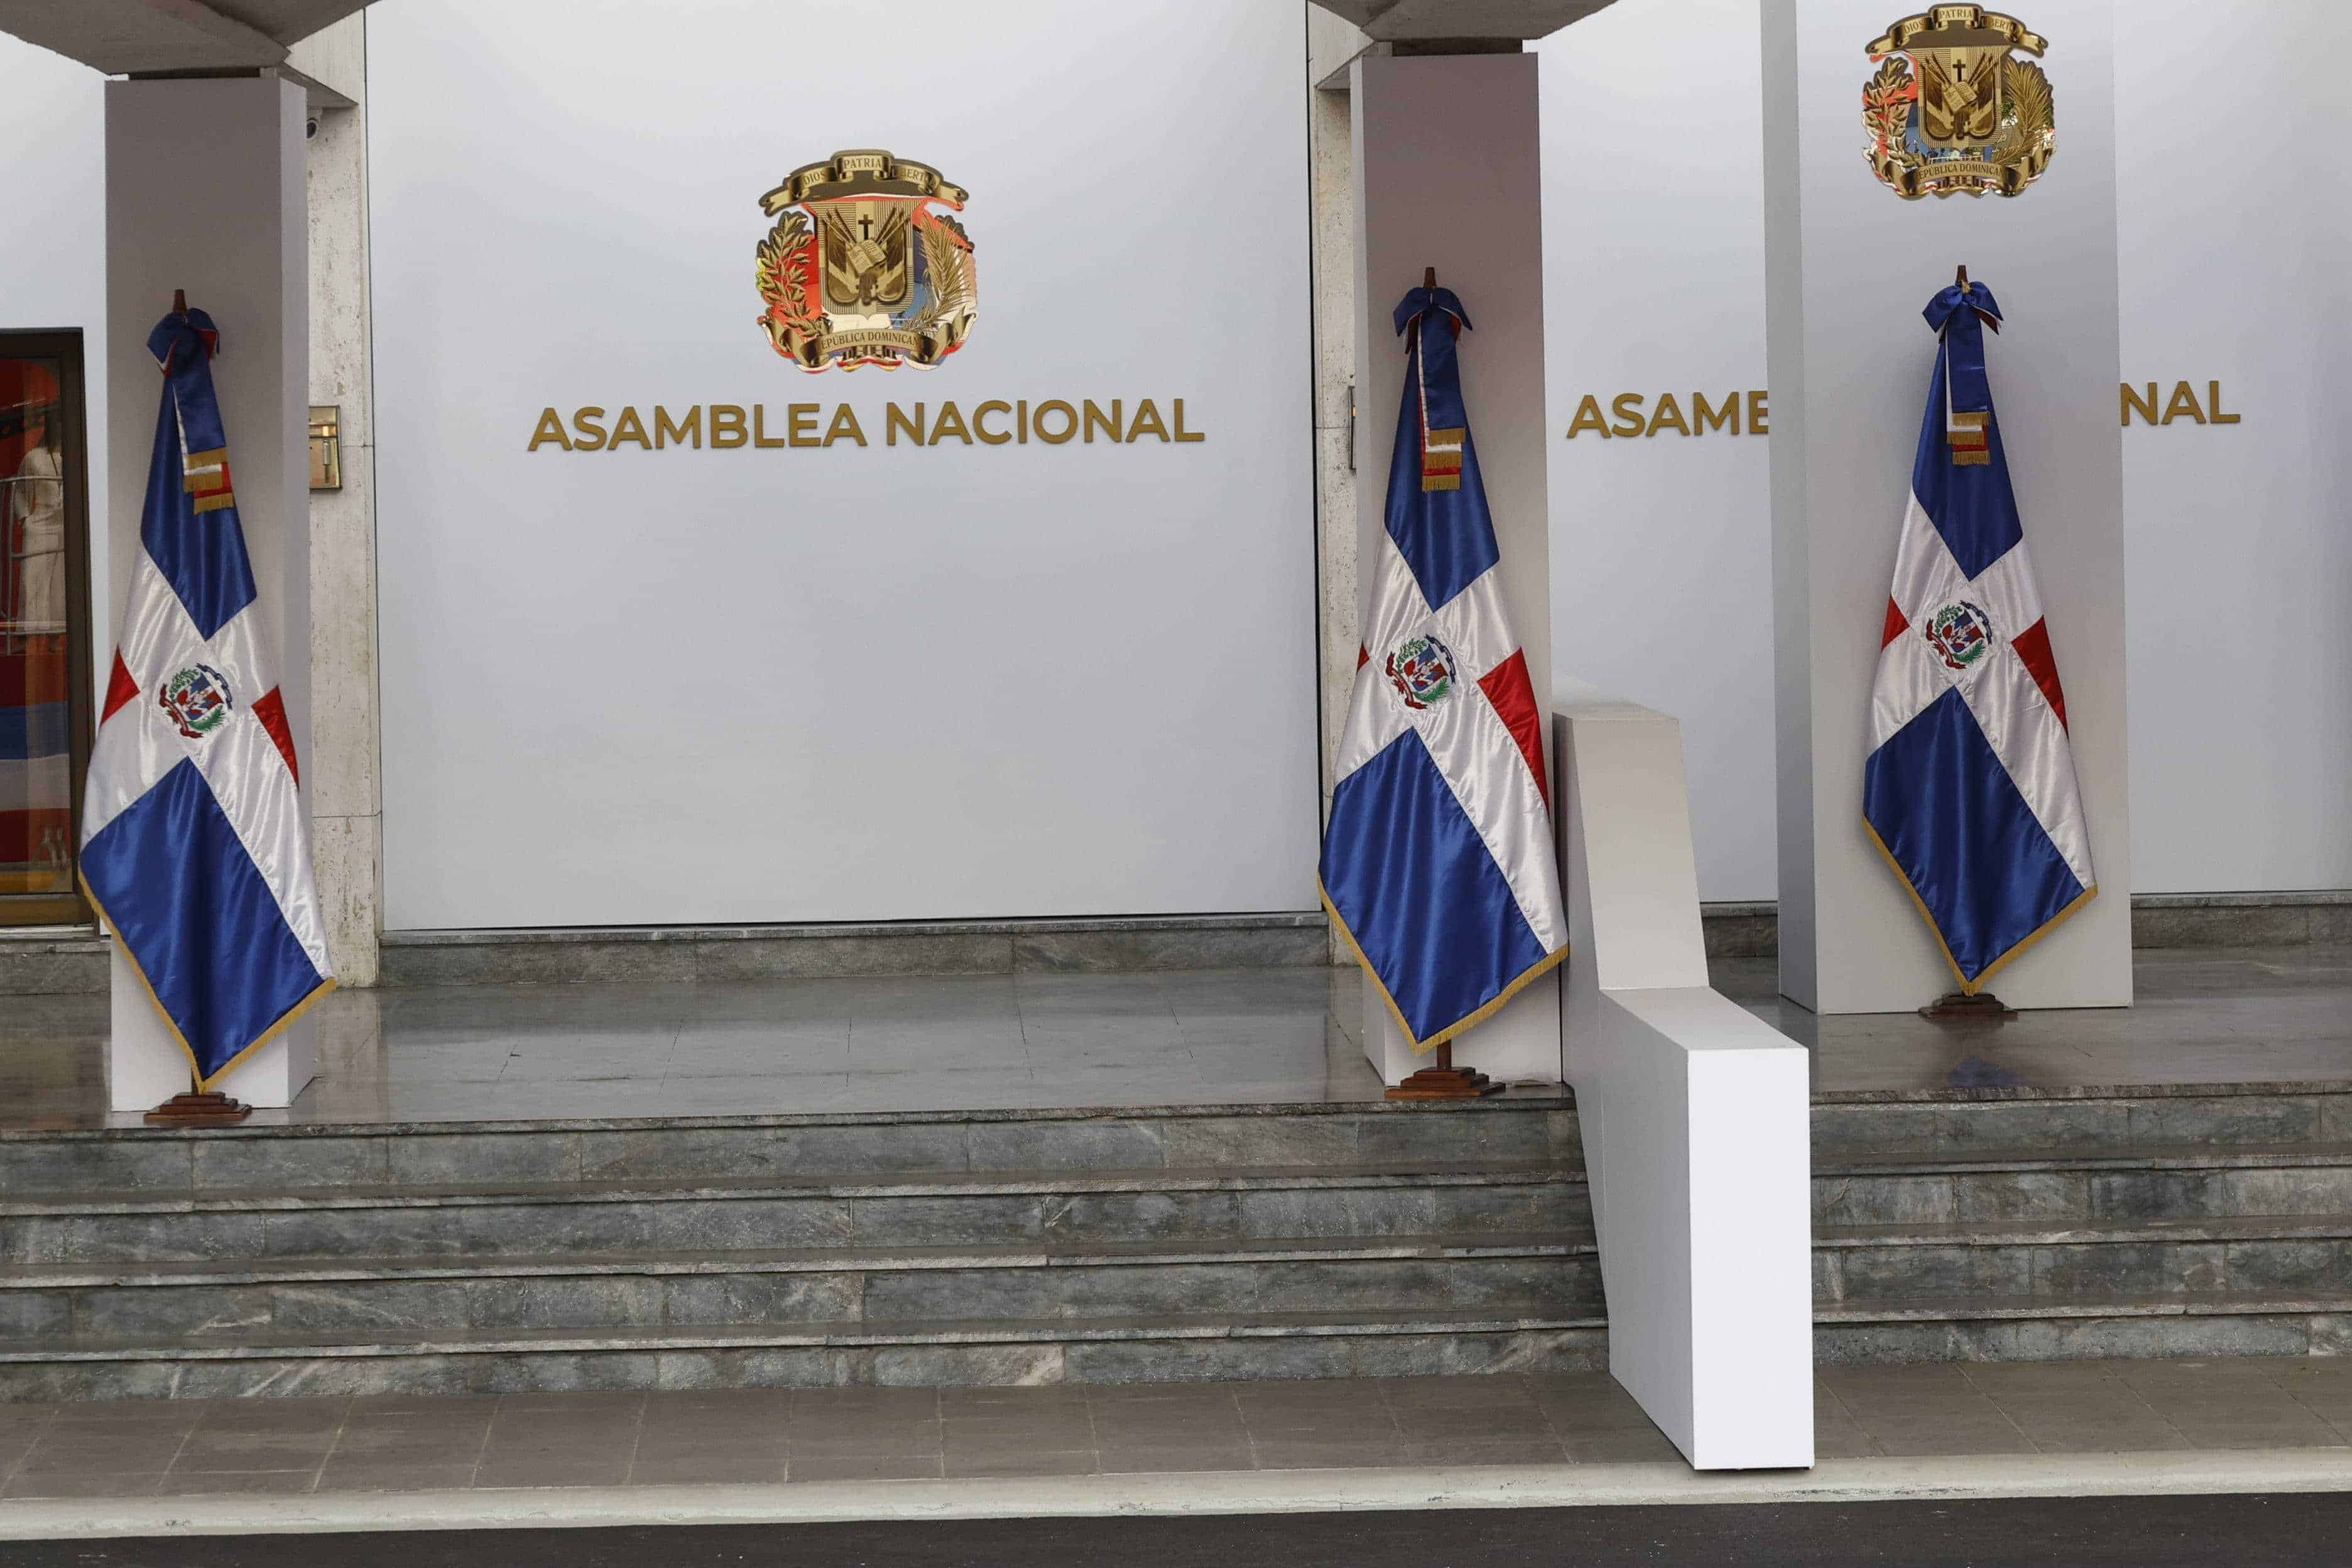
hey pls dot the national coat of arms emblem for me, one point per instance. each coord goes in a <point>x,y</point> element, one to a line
<point>197,701</point>
<point>1961,633</point>
<point>860,269</point>
<point>1952,109</point>
<point>1422,669</point>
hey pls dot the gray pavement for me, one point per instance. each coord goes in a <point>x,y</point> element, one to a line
<point>300,1447</point>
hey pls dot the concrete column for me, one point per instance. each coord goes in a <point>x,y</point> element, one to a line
<point>1446,175</point>
<point>1331,198</point>
<point>1849,265</point>
<point>346,795</point>
<point>205,191</point>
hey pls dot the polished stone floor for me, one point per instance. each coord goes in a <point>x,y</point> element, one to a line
<point>189,1447</point>
<point>2200,1015</point>
<point>1281,1036</point>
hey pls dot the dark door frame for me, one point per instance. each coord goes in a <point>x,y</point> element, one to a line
<point>65,346</point>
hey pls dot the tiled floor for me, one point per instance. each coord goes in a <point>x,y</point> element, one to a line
<point>293,1445</point>
<point>1207,1037</point>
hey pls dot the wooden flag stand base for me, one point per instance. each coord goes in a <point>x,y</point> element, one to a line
<point>199,1108</point>
<point>1984,1007</point>
<point>1446,1081</point>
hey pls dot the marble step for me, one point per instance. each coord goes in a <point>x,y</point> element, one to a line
<point>1856,1265</point>
<point>206,1301</point>
<point>888,1209</point>
<point>2122,1326</point>
<point>2105,1186</point>
<point>439,1154</point>
<point>1186,1348</point>
<point>1950,1122</point>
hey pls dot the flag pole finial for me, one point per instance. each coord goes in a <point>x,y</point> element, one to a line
<point>1961,277</point>
<point>1429,277</point>
<point>179,302</point>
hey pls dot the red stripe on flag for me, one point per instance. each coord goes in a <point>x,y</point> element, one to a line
<point>1507,687</point>
<point>1896,624</point>
<point>270,708</point>
<point>119,687</point>
<point>2032,646</point>
<point>1363,655</point>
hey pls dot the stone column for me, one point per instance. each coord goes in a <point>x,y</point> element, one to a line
<point>346,795</point>
<point>1446,175</point>
<point>205,192</point>
<point>1849,265</point>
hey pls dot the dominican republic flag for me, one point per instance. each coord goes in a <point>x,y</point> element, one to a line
<point>1970,790</point>
<point>1438,863</point>
<point>194,847</point>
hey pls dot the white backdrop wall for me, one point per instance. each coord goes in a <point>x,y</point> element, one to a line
<point>2239,668</point>
<point>1653,252</point>
<point>53,262</point>
<point>845,683</point>
<point>2234,224</point>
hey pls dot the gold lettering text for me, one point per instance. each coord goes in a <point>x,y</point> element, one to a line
<point>980,413</point>
<point>727,427</point>
<point>1069,426</point>
<point>1182,434</point>
<point>667,430</point>
<point>2132,400</point>
<point>1095,418</point>
<point>629,427</point>
<point>759,437</point>
<point>2183,401</point>
<point>844,423</point>
<point>949,423</point>
<point>1587,417</point>
<point>1146,420</point>
<point>2214,405</point>
<point>1668,416</point>
<point>592,435</point>
<point>1756,410</point>
<point>551,429</point>
<point>1628,405</point>
<point>894,419</point>
<point>1704,418</point>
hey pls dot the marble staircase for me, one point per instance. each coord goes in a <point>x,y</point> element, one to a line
<point>1992,1226</point>
<point>1170,1244</point>
<point>1284,1241</point>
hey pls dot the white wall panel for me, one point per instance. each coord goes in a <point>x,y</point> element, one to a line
<point>1661,546</point>
<point>2234,219</point>
<point>840,684</point>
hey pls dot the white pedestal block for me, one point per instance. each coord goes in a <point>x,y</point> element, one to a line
<point>145,1066</point>
<point>1849,265</point>
<point>1447,169</point>
<point>206,192</point>
<point>1695,1116</point>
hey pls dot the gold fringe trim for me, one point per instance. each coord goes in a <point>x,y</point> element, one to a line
<point>195,1069</point>
<point>1534,971</point>
<point>1971,987</point>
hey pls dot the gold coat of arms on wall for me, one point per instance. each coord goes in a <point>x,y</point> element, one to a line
<point>860,269</point>
<point>1952,107</point>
